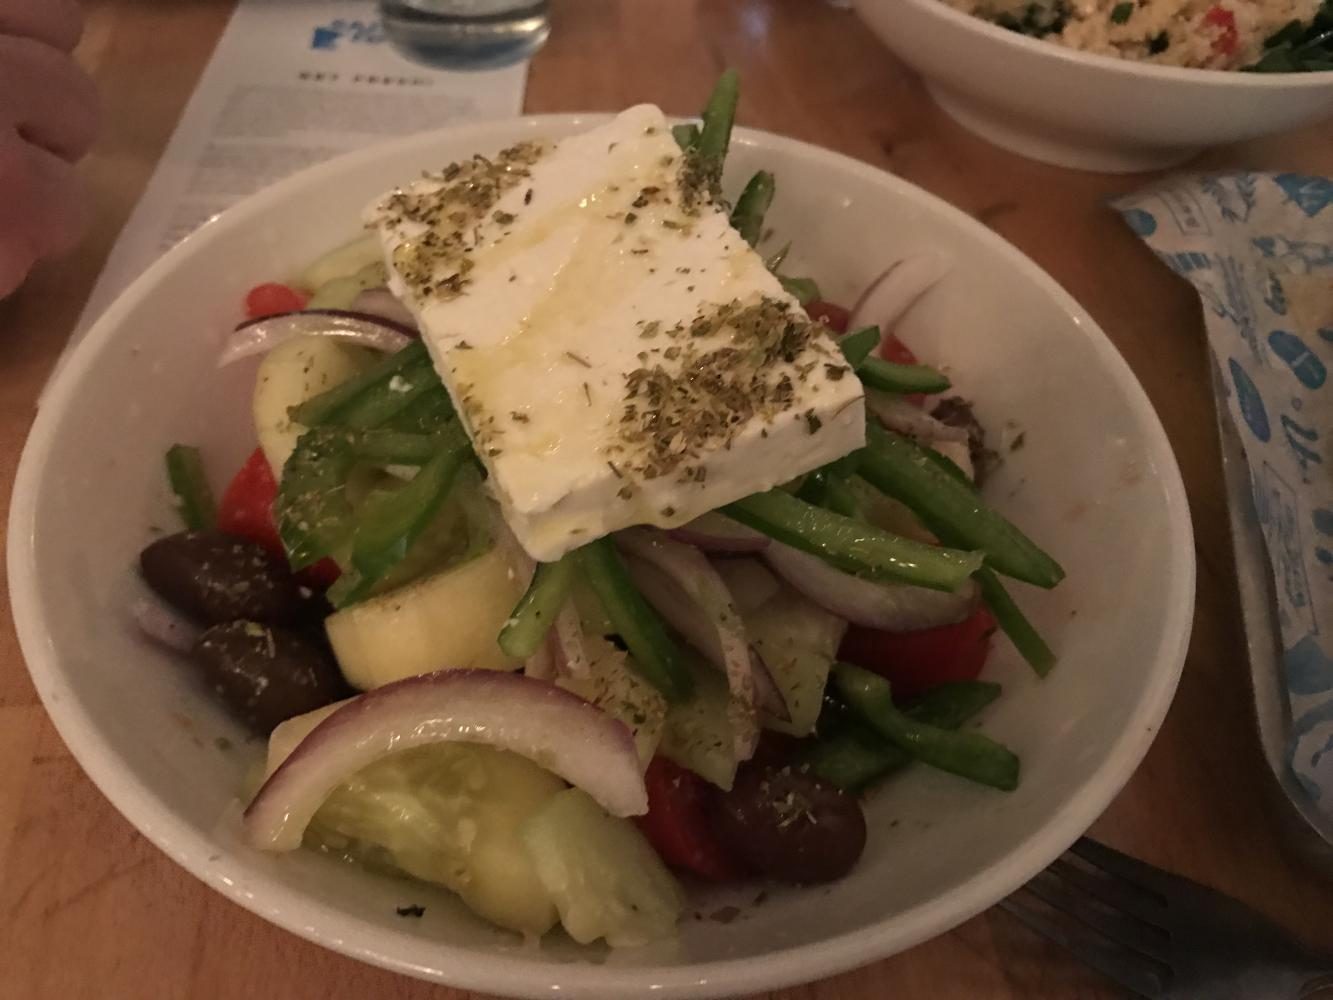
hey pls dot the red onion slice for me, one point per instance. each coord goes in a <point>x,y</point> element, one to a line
<point>714,532</point>
<point>551,726</point>
<point>165,625</point>
<point>383,303</point>
<point>897,414</point>
<point>541,664</point>
<point>262,335</point>
<point>887,299</point>
<point>696,603</point>
<point>888,606</point>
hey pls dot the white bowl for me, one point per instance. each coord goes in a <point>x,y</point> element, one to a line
<point>1077,109</point>
<point>1096,482</point>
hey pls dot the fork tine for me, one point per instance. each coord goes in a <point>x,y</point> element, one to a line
<point>1065,895</point>
<point>1145,904</point>
<point>1133,871</point>
<point>1133,972</point>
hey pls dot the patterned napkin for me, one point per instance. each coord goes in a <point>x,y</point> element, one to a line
<point>1258,248</point>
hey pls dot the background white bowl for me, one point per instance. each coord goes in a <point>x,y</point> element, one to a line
<point>1077,109</point>
<point>1096,481</point>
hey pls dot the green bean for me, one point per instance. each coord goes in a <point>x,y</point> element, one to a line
<point>803,290</point>
<point>747,218</point>
<point>189,483</point>
<point>718,117</point>
<point>890,377</point>
<point>322,409</point>
<point>686,135</point>
<point>652,650</point>
<point>385,447</point>
<point>826,488</point>
<point>1021,632</point>
<point>536,610</point>
<point>389,524</point>
<point>380,403</point>
<point>854,756</point>
<point>428,413</point>
<point>952,510</point>
<point>856,346</point>
<point>967,754</point>
<point>852,546</point>
<point>313,515</point>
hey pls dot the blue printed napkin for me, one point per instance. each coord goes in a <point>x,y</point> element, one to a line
<point>1258,248</point>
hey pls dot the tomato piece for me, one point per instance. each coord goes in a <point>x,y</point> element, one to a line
<point>272,298</point>
<point>834,317</point>
<point>914,662</point>
<point>246,510</point>
<point>677,825</point>
<point>1229,37</point>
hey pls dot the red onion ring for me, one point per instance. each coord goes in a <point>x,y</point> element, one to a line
<point>889,296</point>
<point>714,532</point>
<point>536,719</point>
<point>259,336</point>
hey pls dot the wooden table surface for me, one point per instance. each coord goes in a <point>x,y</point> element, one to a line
<point>88,908</point>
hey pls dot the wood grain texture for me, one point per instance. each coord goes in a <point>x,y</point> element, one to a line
<point>89,909</point>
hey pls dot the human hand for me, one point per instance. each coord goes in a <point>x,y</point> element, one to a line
<point>48,119</point>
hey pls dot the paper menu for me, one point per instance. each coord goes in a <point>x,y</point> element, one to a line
<point>291,83</point>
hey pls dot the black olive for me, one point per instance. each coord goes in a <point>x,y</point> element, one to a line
<point>215,578</point>
<point>267,674</point>
<point>790,826</point>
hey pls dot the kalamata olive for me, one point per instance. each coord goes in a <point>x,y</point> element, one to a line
<point>267,674</point>
<point>790,826</point>
<point>215,578</point>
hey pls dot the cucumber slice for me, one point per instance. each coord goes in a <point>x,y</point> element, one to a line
<point>605,878</point>
<point>622,693</point>
<point>340,293</point>
<point>449,814</point>
<point>290,374</point>
<point>798,640</point>
<point>698,734</point>
<point>343,262</point>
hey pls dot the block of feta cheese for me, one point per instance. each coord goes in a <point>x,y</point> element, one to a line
<point>618,353</point>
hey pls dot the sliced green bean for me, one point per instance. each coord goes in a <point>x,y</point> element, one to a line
<point>1021,632</point>
<point>378,404</point>
<point>967,754</point>
<point>825,488</point>
<point>686,135</point>
<point>718,117</point>
<point>312,511</point>
<point>532,618</point>
<point>854,756</point>
<point>652,650</point>
<point>856,346</point>
<point>890,377</point>
<point>389,524</point>
<point>747,218</point>
<point>803,290</point>
<point>189,483</point>
<point>322,409</point>
<point>851,545</point>
<point>952,510</point>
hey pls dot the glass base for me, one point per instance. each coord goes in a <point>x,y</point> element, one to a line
<point>465,41</point>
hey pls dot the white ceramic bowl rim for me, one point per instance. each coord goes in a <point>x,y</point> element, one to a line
<point>1232,79</point>
<point>517,976</point>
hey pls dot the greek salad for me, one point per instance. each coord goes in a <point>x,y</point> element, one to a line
<point>585,553</point>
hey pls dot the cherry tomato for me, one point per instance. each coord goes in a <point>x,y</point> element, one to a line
<point>246,510</point>
<point>272,298</point>
<point>1229,37</point>
<point>893,349</point>
<point>677,825</point>
<point>914,662</point>
<point>832,316</point>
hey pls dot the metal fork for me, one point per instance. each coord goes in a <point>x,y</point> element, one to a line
<point>1162,936</point>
